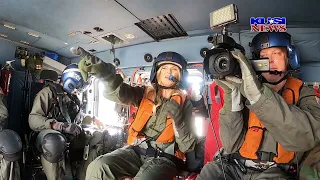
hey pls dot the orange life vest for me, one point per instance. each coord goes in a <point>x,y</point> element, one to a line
<point>143,115</point>
<point>254,135</point>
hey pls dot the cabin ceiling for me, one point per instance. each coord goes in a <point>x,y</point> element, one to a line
<point>53,20</point>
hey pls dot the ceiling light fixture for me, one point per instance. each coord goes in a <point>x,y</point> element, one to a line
<point>24,42</point>
<point>9,26</point>
<point>34,35</point>
<point>129,36</point>
<point>72,33</point>
<point>3,35</point>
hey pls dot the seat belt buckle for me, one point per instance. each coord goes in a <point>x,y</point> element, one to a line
<point>292,169</point>
<point>86,152</point>
<point>289,168</point>
<point>159,153</point>
<point>261,165</point>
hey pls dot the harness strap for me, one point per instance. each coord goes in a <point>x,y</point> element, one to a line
<point>156,153</point>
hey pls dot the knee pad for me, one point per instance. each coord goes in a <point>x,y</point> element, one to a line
<point>54,146</point>
<point>10,145</point>
<point>98,137</point>
<point>101,141</point>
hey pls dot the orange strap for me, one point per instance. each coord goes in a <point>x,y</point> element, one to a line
<point>253,137</point>
<point>143,115</point>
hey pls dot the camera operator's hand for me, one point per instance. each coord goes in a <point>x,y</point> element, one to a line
<point>232,96</point>
<point>250,87</point>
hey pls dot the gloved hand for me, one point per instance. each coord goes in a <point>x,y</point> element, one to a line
<point>251,88</point>
<point>93,65</point>
<point>232,96</point>
<point>173,109</point>
<point>73,129</point>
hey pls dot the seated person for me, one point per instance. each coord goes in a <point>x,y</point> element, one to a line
<point>160,135</point>
<point>10,146</point>
<point>56,114</point>
<point>266,123</point>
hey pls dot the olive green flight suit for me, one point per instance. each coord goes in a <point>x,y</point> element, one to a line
<point>125,162</point>
<point>295,127</point>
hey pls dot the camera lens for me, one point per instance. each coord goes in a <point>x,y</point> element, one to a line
<point>223,63</point>
<point>220,63</point>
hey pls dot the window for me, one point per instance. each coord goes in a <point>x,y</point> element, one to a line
<point>196,80</point>
<point>105,109</point>
<point>88,99</point>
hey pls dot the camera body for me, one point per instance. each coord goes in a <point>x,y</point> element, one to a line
<point>219,61</point>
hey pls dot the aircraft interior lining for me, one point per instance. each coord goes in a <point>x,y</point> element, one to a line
<point>56,46</point>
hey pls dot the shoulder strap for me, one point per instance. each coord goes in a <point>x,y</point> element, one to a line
<point>64,109</point>
<point>54,100</point>
<point>144,112</point>
<point>142,116</point>
<point>78,119</point>
<point>57,101</point>
<point>53,89</point>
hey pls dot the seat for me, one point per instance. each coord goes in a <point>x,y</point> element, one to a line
<point>33,155</point>
<point>211,147</point>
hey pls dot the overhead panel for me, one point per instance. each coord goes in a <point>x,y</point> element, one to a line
<point>17,33</point>
<point>83,38</point>
<point>162,27</point>
<point>50,43</point>
<point>98,47</point>
<point>140,36</point>
<point>101,44</point>
<point>4,30</point>
<point>21,36</point>
<point>59,17</point>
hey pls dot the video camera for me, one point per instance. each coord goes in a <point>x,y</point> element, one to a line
<point>218,61</point>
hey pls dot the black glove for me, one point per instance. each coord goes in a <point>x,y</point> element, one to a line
<point>73,129</point>
<point>174,111</point>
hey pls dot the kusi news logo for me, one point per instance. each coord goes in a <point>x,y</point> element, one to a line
<point>261,24</point>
